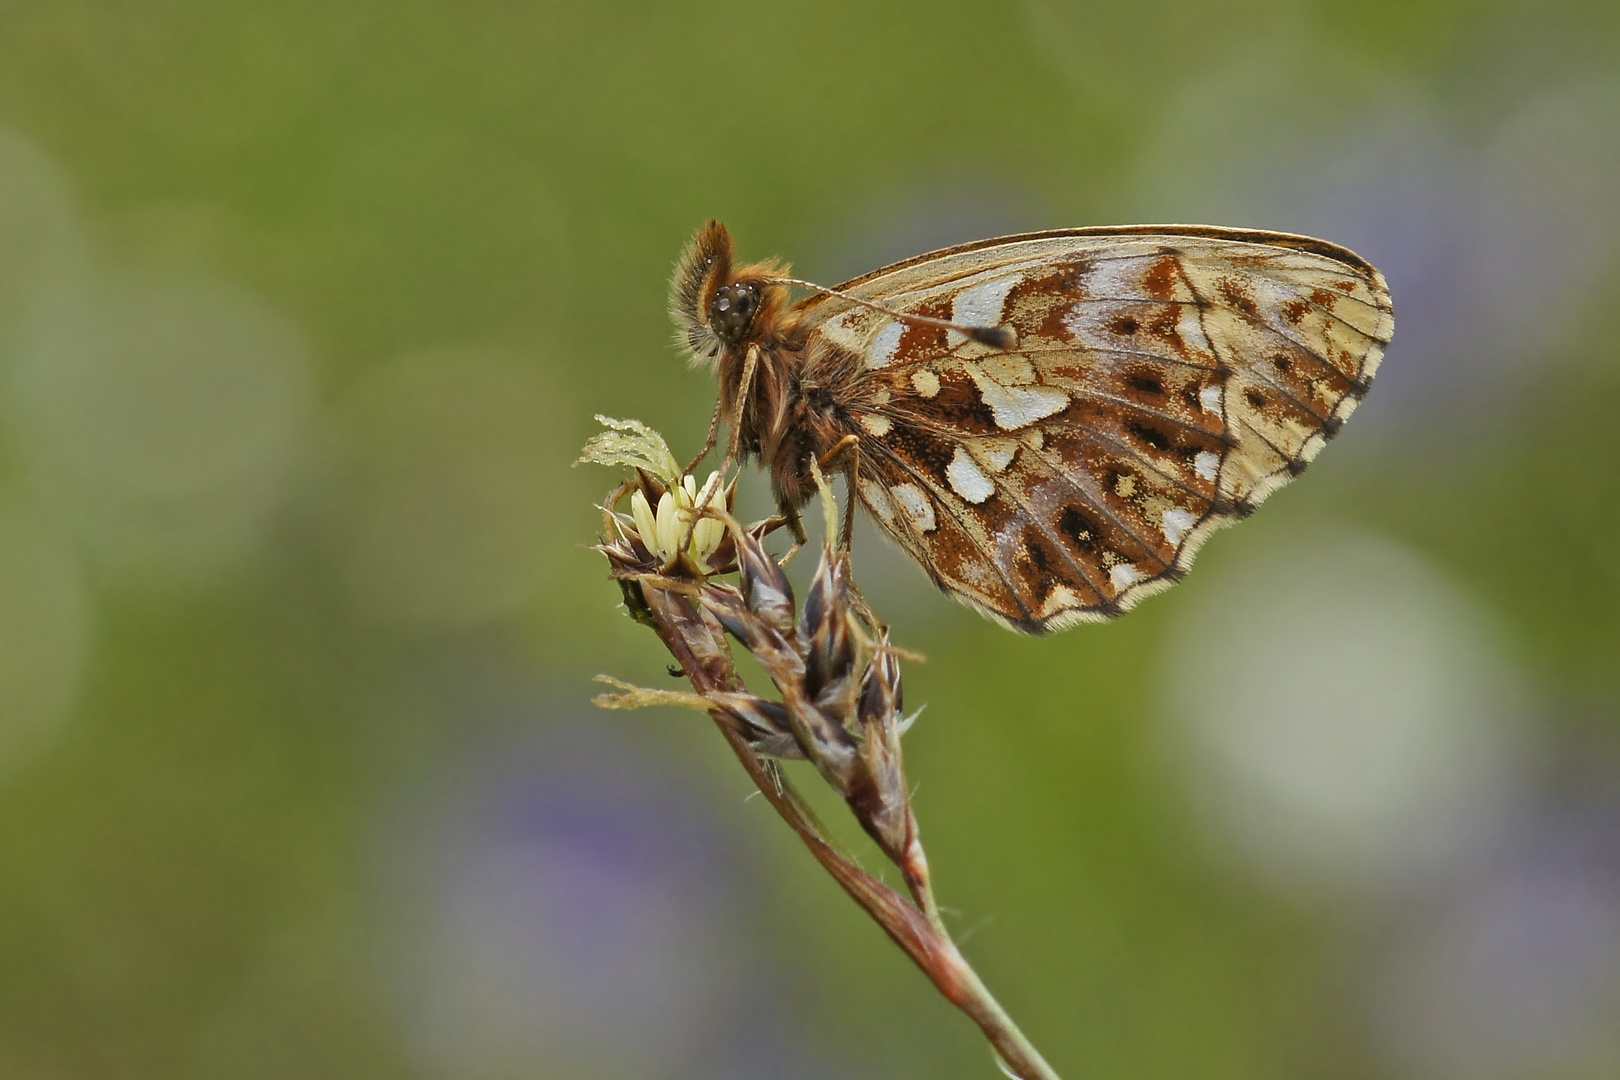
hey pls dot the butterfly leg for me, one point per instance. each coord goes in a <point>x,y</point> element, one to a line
<point>745,388</point>
<point>845,456</point>
<point>795,525</point>
<point>750,366</point>
<point>709,442</point>
<point>786,517</point>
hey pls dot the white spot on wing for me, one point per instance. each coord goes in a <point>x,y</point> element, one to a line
<point>1079,326</point>
<point>966,479</point>
<point>884,344</point>
<point>1124,575</point>
<point>994,454</point>
<point>981,305</point>
<point>876,423</point>
<point>1127,279</point>
<point>1210,398</point>
<point>877,499</point>
<point>915,505</point>
<point>925,382</point>
<point>1061,598</point>
<point>1206,464</point>
<point>1176,523</point>
<point>1019,406</point>
<point>841,330</point>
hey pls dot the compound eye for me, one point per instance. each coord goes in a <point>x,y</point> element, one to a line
<point>732,311</point>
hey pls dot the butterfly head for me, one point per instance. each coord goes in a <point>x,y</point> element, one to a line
<point>703,268</point>
<point>715,304</point>
<point>732,311</point>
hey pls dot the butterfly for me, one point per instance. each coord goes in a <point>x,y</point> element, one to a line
<point>1050,423</point>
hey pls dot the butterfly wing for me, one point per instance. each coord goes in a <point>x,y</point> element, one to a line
<point>1164,381</point>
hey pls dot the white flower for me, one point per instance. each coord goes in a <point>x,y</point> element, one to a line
<point>646,524</point>
<point>677,518</point>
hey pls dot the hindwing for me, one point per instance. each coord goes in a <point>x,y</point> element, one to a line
<point>1164,381</point>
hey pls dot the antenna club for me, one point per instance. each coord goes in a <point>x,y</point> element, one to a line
<point>997,337</point>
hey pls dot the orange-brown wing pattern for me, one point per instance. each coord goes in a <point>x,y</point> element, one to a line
<point>1165,381</point>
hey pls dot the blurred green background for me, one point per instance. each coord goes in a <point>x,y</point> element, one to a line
<point>304,312</point>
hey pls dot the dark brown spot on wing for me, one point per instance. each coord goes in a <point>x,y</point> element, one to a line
<point>1081,530</point>
<point>1237,295</point>
<point>1160,280</point>
<point>957,406</point>
<point>1040,568</point>
<point>1150,435</point>
<point>1066,277</point>
<point>926,452</point>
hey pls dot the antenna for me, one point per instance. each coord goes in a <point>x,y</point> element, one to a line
<point>997,337</point>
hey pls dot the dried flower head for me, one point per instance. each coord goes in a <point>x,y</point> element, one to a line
<point>673,524</point>
<point>836,677</point>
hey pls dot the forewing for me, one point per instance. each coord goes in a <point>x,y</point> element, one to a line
<point>1164,381</point>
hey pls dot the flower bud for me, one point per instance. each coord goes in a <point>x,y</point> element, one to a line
<point>708,532</point>
<point>668,529</point>
<point>646,524</point>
